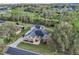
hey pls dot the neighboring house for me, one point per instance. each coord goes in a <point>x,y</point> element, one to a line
<point>37,34</point>
<point>19,29</point>
<point>4,10</point>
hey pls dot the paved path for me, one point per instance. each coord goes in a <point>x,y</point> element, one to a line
<point>16,42</point>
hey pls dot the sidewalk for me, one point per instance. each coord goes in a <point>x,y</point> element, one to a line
<point>16,42</point>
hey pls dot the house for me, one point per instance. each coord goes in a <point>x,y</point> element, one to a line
<point>4,10</point>
<point>37,34</point>
<point>19,29</point>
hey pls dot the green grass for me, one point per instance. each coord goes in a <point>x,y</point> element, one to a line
<point>76,23</point>
<point>49,29</point>
<point>42,48</point>
<point>1,41</point>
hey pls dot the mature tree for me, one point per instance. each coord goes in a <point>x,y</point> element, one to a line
<point>65,38</point>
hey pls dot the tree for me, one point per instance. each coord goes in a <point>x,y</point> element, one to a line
<point>8,31</point>
<point>65,38</point>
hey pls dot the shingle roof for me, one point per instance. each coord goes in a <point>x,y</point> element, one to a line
<point>39,33</point>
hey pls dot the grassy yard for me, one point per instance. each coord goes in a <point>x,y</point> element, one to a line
<point>1,41</point>
<point>42,48</point>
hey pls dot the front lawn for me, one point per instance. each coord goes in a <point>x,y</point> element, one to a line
<point>42,48</point>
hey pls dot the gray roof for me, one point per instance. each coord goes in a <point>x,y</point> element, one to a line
<point>38,32</point>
